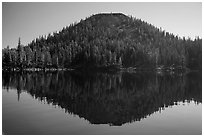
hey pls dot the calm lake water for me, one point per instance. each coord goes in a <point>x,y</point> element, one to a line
<point>101,103</point>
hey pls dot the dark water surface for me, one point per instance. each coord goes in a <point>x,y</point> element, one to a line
<point>101,103</point>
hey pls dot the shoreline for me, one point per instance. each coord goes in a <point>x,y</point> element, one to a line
<point>104,69</point>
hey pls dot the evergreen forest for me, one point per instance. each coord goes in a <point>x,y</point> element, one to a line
<point>106,41</point>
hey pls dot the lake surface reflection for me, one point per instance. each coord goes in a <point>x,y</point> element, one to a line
<point>101,103</point>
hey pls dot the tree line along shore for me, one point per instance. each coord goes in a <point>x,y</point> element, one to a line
<point>109,42</point>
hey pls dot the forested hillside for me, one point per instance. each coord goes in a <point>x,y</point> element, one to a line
<point>105,40</point>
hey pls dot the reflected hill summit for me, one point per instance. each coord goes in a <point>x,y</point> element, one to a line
<point>108,98</point>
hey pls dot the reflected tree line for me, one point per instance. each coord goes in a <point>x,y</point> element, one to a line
<point>108,98</point>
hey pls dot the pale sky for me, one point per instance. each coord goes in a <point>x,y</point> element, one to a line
<point>30,20</point>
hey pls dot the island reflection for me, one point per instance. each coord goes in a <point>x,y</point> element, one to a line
<point>108,98</point>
